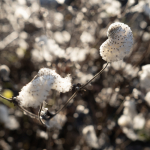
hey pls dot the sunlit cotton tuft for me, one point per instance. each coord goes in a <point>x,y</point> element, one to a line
<point>35,92</point>
<point>118,44</point>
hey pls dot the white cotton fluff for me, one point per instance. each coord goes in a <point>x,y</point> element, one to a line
<point>147,98</point>
<point>124,120</point>
<point>90,136</point>
<point>138,122</point>
<point>145,77</point>
<point>36,91</point>
<point>118,44</point>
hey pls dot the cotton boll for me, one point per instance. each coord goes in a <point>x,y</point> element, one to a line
<point>35,92</point>
<point>90,136</point>
<point>130,133</point>
<point>124,120</point>
<point>138,122</point>
<point>118,44</point>
<point>86,37</point>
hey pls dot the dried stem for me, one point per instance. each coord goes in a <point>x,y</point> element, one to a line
<point>8,99</point>
<point>80,88</point>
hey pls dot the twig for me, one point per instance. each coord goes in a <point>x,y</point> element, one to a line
<point>73,96</point>
<point>8,99</point>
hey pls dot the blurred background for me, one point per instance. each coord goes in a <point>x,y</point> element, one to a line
<point>113,113</point>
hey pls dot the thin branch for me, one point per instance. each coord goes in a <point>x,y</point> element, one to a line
<point>8,99</point>
<point>73,96</point>
<point>28,112</point>
<point>94,77</point>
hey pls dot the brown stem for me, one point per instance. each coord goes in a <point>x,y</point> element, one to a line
<point>73,96</point>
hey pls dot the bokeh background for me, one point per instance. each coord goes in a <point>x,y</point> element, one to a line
<point>113,112</point>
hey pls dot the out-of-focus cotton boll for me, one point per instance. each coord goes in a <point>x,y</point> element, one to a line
<point>145,77</point>
<point>128,69</point>
<point>84,77</point>
<point>58,19</point>
<point>146,37</point>
<point>4,117</point>
<point>118,44</point>
<point>62,37</point>
<point>12,123</point>
<point>90,136</point>
<point>22,12</point>
<point>147,98</point>
<point>22,2</point>
<point>113,8</point>
<point>37,55</point>
<point>79,18</point>
<point>72,54</point>
<point>35,92</point>
<point>87,37</point>
<point>35,7</point>
<point>57,122</point>
<point>136,93</point>
<point>60,1</point>
<point>4,72</point>
<point>130,108</point>
<point>138,8</point>
<point>130,133</point>
<point>138,122</point>
<point>49,48</point>
<point>42,134</point>
<point>124,120</point>
<point>82,109</point>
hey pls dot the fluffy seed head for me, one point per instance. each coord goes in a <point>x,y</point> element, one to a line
<point>118,44</point>
<point>36,91</point>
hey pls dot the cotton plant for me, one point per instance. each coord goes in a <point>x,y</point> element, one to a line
<point>37,91</point>
<point>131,121</point>
<point>34,94</point>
